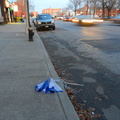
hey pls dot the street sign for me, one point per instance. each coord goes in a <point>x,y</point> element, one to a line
<point>15,8</point>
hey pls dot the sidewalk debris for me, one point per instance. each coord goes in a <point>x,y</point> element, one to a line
<point>84,114</point>
<point>48,86</point>
<point>68,83</point>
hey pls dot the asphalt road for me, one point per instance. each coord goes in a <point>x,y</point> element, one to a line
<point>89,56</point>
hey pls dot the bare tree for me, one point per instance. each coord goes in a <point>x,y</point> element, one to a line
<point>94,3</point>
<point>109,5</point>
<point>31,5</point>
<point>79,3</point>
<point>87,3</point>
<point>117,4</point>
<point>103,9</point>
<point>73,5</point>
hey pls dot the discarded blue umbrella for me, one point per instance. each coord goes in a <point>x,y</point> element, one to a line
<point>48,86</point>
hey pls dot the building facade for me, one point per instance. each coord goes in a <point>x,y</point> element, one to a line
<point>20,10</point>
<point>113,12</point>
<point>52,11</point>
<point>6,11</point>
<point>9,11</point>
<point>89,10</point>
<point>84,10</point>
<point>34,14</point>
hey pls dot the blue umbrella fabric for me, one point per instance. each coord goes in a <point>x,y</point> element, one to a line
<point>48,86</point>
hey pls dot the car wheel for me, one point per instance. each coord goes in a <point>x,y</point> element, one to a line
<point>37,28</point>
<point>53,28</point>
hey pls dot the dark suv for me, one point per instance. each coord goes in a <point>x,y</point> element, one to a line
<point>44,21</point>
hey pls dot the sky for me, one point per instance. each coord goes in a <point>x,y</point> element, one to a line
<point>43,4</point>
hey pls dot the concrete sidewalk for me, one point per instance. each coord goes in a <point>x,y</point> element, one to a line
<point>23,65</point>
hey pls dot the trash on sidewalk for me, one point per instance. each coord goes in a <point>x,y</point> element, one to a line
<point>68,83</point>
<point>48,86</point>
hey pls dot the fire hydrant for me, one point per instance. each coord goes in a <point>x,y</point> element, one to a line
<point>31,33</point>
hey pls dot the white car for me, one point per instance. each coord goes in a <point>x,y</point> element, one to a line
<point>75,19</point>
<point>89,20</point>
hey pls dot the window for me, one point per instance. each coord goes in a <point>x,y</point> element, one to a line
<point>42,17</point>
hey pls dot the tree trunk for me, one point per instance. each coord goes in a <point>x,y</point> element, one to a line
<point>94,12</point>
<point>75,12</point>
<point>108,13</point>
<point>103,9</point>
<point>87,8</point>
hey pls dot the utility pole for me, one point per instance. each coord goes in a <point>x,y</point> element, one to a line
<point>27,16</point>
<point>29,30</point>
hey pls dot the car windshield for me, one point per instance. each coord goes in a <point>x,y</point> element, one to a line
<point>87,17</point>
<point>84,17</point>
<point>42,17</point>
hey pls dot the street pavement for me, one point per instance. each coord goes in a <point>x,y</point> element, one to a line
<point>23,65</point>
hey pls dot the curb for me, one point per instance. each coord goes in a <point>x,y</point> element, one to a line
<point>64,100</point>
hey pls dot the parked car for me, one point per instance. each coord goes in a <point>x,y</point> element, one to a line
<point>117,19</point>
<point>89,20</point>
<point>66,18</point>
<point>70,19</point>
<point>44,21</point>
<point>59,18</point>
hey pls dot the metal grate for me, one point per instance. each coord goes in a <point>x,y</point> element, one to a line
<point>46,22</point>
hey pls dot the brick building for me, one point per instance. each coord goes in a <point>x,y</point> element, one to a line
<point>113,12</point>
<point>52,11</point>
<point>34,14</point>
<point>20,9</point>
<point>84,10</point>
<point>88,10</point>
